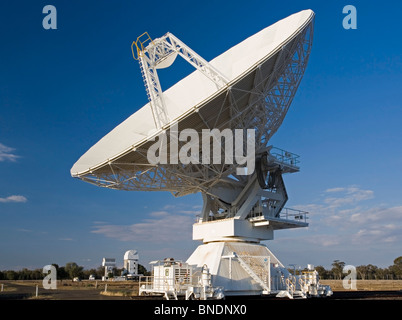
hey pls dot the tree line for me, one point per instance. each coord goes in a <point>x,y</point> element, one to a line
<point>70,271</point>
<point>363,272</point>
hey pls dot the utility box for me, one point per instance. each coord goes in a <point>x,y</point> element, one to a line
<point>171,274</point>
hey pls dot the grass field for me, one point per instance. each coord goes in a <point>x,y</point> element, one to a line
<point>366,285</point>
<point>67,289</point>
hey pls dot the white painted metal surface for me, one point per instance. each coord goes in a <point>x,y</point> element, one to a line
<point>130,262</point>
<point>242,268</point>
<point>109,264</point>
<point>175,279</point>
<point>250,86</point>
<point>260,78</point>
<point>131,255</point>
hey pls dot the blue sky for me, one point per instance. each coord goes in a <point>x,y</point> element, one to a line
<point>62,90</point>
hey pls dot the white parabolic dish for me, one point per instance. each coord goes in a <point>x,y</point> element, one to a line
<point>131,255</point>
<point>264,72</point>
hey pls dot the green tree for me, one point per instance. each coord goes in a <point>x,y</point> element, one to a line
<point>143,270</point>
<point>372,271</point>
<point>62,274</point>
<point>37,274</point>
<point>362,272</point>
<point>100,272</point>
<point>73,270</point>
<point>396,268</point>
<point>381,273</point>
<point>11,275</point>
<point>25,274</point>
<point>322,273</point>
<point>337,269</point>
<point>398,261</point>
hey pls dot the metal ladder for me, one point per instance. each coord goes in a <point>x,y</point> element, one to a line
<point>141,63</point>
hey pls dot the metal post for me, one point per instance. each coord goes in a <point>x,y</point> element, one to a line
<point>106,287</point>
<point>269,273</point>
<point>96,284</point>
<point>37,290</point>
<point>230,268</point>
<point>2,287</point>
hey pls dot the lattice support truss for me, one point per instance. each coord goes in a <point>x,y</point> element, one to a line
<point>268,102</point>
<point>155,53</point>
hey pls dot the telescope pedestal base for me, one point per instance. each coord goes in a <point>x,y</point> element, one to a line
<point>231,230</point>
<point>240,268</point>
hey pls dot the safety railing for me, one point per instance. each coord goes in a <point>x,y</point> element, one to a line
<point>285,157</point>
<point>140,44</point>
<point>290,285</point>
<point>293,214</point>
<point>285,214</point>
<point>152,284</point>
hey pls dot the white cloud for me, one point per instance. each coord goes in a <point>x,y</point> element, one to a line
<point>378,225</point>
<point>379,214</point>
<point>159,213</point>
<point>325,241</point>
<point>344,196</point>
<point>6,153</point>
<point>191,212</point>
<point>338,201</point>
<point>169,206</point>
<point>170,225</point>
<point>335,190</point>
<point>343,219</point>
<point>14,198</point>
<point>168,228</point>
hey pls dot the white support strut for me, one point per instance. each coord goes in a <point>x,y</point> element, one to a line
<point>151,58</point>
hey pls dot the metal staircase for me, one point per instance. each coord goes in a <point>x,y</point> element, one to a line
<point>256,271</point>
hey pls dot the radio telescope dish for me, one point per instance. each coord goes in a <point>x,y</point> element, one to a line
<point>250,85</point>
<point>131,255</point>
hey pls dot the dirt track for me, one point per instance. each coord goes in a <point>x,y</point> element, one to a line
<point>16,291</point>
